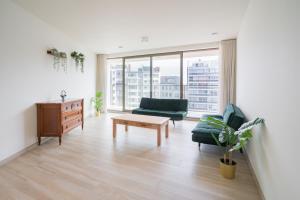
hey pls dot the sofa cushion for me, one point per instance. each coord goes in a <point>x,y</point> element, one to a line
<point>203,127</point>
<point>233,116</point>
<point>228,113</point>
<point>214,116</point>
<point>174,115</point>
<point>164,104</point>
<point>146,103</point>
<point>202,133</point>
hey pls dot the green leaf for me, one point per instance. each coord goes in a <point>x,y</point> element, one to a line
<point>222,136</point>
<point>236,147</point>
<point>216,123</point>
<point>252,123</point>
<point>216,140</point>
<point>233,139</point>
<point>97,100</point>
<point>246,134</point>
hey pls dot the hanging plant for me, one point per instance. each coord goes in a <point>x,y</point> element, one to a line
<point>59,59</point>
<point>63,57</point>
<point>79,60</point>
<point>74,55</point>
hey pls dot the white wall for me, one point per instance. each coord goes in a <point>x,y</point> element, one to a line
<point>268,80</point>
<point>27,75</point>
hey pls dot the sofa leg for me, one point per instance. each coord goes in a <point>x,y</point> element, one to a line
<point>241,151</point>
<point>199,145</point>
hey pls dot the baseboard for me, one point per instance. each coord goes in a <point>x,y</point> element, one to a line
<point>261,194</point>
<point>26,149</point>
<point>19,153</point>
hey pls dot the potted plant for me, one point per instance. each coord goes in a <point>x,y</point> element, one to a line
<point>97,100</point>
<point>233,141</point>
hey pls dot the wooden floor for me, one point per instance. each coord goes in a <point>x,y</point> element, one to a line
<point>90,165</point>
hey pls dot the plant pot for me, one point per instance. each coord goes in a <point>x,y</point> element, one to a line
<point>227,170</point>
<point>97,113</point>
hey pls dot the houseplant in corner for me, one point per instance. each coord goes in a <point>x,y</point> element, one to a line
<point>97,101</point>
<point>233,140</point>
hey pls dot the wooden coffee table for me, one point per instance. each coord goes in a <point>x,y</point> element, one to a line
<point>143,121</point>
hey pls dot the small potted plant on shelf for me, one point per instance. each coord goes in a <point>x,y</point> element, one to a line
<point>232,140</point>
<point>97,101</point>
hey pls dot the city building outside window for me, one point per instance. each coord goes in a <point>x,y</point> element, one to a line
<point>199,79</point>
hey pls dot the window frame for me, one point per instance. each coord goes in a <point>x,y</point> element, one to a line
<point>181,58</point>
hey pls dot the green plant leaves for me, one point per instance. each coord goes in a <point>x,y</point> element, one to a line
<point>79,59</point>
<point>216,140</point>
<point>97,100</point>
<point>252,123</point>
<point>234,140</point>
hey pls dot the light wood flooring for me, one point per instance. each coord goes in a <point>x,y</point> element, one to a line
<point>91,165</point>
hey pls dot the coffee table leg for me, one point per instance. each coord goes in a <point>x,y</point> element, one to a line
<point>126,128</point>
<point>158,136</point>
<point>114,129</point>
<point>167,130</point>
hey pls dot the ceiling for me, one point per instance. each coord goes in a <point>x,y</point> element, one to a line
<point>105,25</point>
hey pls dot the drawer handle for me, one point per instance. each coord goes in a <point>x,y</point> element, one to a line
<point>65,118</point>
<point>66,126</point>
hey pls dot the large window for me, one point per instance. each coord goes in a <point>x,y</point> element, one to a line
<point>166,77</point>
<point>201,82</point>
<point>192,75</point>
<point>115,83</point>
<point>137,81</point>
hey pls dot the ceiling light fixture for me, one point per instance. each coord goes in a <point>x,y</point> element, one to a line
<point>144,39</point>
<point>214,33</point>
<point>120,47</point>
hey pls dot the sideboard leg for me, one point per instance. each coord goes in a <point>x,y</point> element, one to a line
<point>39,140</point>
<point>59,139</point>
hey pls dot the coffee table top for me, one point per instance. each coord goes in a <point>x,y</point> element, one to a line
<point>142,118</point>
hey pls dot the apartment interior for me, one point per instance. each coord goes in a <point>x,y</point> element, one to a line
<point>136,99</point>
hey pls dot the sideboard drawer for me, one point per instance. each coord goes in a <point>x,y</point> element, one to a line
<point>71,124</point>
<point>69,116</point>
<point>71,106</point>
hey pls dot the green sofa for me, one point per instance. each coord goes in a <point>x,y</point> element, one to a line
<point>175,109</point>
<point>232,116</point>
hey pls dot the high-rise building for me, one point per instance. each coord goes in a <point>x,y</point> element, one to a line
<point>137,84</point>
<point>203,86</point>
<point>116,85</point>
<point>170,87</point>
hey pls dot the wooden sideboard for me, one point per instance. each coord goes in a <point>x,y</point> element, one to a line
<point>55,118</point>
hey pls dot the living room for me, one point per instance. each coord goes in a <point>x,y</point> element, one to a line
<point>110,99</point>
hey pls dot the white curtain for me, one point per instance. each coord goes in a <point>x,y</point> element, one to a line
<point>227,73</point>
<point>101,77</point>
